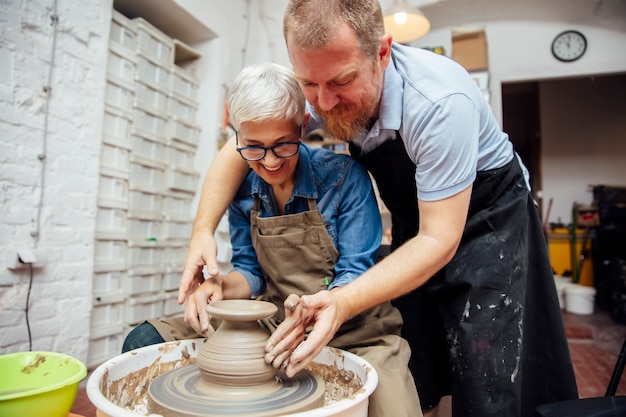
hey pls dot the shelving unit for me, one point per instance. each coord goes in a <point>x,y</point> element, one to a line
<point>146,181</point>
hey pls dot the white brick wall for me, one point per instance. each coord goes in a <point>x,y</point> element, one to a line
<point>60,299</point>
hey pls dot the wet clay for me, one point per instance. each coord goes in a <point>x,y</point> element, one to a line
<point>131,392</point>
<point>340,383</point>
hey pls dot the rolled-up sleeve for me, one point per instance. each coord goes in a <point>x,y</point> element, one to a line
<point>244,258</point>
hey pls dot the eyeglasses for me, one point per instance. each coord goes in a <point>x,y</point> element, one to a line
<point>281,150</point>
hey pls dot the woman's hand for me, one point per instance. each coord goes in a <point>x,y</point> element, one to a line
<point>202,251</point>
<point>195,308</point>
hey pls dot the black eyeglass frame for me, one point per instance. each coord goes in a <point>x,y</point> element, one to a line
<point>269,148</point>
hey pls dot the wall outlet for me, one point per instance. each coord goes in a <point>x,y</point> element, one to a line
<point>23,257</point>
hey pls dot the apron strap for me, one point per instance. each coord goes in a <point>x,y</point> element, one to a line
<point>394,173</point>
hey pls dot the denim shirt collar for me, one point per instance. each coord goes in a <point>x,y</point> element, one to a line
<point>304,184</point>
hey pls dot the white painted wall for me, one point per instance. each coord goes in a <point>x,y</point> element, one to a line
<point>60,301</point>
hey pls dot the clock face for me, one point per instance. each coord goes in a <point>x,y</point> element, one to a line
<point>569,46</point>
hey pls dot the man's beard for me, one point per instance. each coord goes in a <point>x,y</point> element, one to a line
<point>342,124</point>
<point>335,122</point>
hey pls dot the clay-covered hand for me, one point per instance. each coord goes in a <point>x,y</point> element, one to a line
<point>195,308</point>
<point>202,251</point>
<point>286,347</point>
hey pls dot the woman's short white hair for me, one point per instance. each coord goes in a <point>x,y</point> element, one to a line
<point>265,92</point>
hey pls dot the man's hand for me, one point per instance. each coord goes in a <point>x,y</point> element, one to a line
<point>287,347</point>
<point>202,251</point>
<point>195,308</point>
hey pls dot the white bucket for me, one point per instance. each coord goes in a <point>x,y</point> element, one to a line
<point>177,354</point>
<point>579,299</point>
<point>561,283</point>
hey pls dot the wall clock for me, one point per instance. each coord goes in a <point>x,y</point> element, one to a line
<point>568,46</point>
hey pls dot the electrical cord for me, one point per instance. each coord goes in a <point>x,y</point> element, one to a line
<point>54,20</point>
<point>30,286</point>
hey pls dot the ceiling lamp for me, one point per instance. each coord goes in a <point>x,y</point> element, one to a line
<point>405,22</point>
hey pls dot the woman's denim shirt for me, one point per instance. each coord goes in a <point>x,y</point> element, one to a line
<point>345,198</point>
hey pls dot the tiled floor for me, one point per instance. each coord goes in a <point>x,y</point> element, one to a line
<point>595,341</point>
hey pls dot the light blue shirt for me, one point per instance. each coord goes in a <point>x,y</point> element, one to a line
<point>447,126</point>
<point>345,197</point>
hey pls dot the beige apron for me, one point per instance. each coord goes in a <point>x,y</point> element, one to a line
<point>298,256</point>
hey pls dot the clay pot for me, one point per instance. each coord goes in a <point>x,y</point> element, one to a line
<point>234,354</point>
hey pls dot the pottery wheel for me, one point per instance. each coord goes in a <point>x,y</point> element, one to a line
<point>183,392</point>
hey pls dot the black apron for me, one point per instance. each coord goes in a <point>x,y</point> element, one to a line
<point>488,326</point>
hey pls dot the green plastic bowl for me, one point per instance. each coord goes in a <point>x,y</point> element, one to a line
<point>39,384</point>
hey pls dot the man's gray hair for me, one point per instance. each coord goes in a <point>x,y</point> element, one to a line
<point>312,24</point>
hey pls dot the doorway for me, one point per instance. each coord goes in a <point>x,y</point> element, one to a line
<point>522,121</point>
<point>570,134</point>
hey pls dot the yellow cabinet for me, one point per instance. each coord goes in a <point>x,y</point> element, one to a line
<point>562,248</point>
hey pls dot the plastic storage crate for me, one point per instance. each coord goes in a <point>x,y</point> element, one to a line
<point>174,229</point>
<point>150,72</point>
<point>110,223</point>
<point>123,31</point>
<point>108,282</point>
<point>142,308</point>
<point>119,93</point>
<point>145,205</point>
<point>146,147</point>
<point>107,309</point>
<point>144,229</point>
<point>104,343</point>
<point>122,63</point>
<point>154,43</point>
<point>181,131</point>
<point>178,155</point>
<point>113,190</point>
<point>151,123</point>
<point>117,123</point>
<point>110,255</point>
<point>182,109</point>
<point>140,283</point>
<point>145,257</point>
<point>145,176</point>
<point>177,205</point>
<point>183,83</point>
<point>174,255</point>
<point>179,180</point>
<point>149,97</point>
<point>171,306</point>
<point>114,157</point>
<point>171,279</point>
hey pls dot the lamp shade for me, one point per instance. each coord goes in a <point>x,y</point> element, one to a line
<point>405,22</point>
